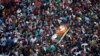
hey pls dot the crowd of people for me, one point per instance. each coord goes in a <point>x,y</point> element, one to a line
<point>28,31</point>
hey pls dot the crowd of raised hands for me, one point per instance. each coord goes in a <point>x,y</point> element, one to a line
<point>28,31</point>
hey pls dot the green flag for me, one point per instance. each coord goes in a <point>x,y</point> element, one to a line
<point>57,38</point>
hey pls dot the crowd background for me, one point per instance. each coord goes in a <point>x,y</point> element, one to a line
<point>26,27</point>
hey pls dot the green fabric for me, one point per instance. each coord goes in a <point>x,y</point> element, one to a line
<point>16,29</point>
<point>36,34</point>
<point>53,48</point>
<point>56,1</point>
<point>48,49</point>
<point>58,38</point>
<point>35,43</point>
<point>45,1</point>
<point>26,34</point>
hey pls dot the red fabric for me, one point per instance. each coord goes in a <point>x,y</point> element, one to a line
<point>37,3</point>
<point>37,47</point>
<point>35,11</point>
<point>99,33</point>
<point>4,1</point>
<point>16,1</point>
